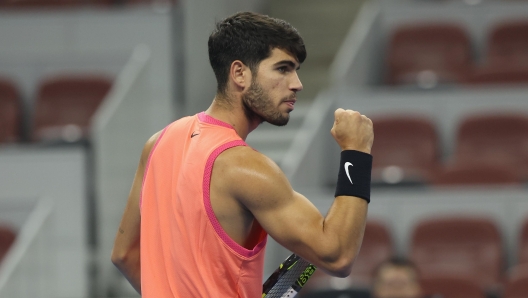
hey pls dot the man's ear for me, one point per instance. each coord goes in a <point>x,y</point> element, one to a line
<point>240,74</point>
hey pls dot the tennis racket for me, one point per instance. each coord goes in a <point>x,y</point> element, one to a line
<point>289,278</point>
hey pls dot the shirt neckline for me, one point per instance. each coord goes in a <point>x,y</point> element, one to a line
<point>208,119</point>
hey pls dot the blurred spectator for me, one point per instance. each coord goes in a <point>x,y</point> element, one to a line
<point>396,278</point>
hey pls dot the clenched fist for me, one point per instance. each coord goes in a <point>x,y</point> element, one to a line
<point>352,131</point>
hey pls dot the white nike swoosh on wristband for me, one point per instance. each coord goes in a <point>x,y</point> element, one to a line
<point>346,170</point>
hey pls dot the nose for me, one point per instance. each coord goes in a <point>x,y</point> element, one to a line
<point>296,84</point>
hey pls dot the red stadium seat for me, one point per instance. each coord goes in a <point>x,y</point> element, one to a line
<point>150,1</point>
<point>497,138</point>
<point>377,246</point>
<point>476,174</point>
<point>508,44</point>
<point>131,2</point>
<point>450,286</point>
<point>54,4</point>
<point>406,149</point>
<point>507,58</point>
<point>498,74</point>
<point>10,112</point>
<point>438,52</point>
<point>468,246</point>
<point>65,106</point>
<point>523,244</point>
<point>21,4</point>
<point>7,238</point>
<point>517,283</point>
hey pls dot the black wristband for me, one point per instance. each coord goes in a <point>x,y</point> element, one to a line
<point>354,174</point>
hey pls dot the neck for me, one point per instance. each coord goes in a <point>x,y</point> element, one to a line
<point>232,112</point>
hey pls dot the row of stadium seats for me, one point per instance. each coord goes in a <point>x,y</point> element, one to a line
<point>441,53</point>
<point>63,108</point>
<point>23,4</point>
<point>456,257</point>
<point>489,148</point>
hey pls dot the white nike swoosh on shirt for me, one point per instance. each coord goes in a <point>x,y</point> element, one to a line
<point>346,170</point>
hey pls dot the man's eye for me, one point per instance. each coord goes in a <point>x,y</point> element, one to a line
<point>282,69</point>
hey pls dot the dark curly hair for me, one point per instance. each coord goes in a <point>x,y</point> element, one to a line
<point>250,37</point>
<point>399,262</point>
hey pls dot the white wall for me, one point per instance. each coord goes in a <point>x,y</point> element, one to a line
<point>29,268</point>
<point>355,63</point>
<point>59,173</point>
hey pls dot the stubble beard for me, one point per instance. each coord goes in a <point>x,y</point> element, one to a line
<point>258,105</point>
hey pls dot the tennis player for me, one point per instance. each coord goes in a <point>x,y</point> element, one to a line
<point>203,202</point>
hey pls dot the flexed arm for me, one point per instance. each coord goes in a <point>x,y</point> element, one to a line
<point>330,242</point>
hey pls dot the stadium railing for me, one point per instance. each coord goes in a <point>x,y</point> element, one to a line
<point>27,268</point>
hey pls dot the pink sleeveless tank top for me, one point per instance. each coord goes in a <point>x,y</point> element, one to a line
<point>184,250</point>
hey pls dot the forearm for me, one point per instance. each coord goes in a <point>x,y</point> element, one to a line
<point>331,242</point>
<point>343,228</point>
<point>344,225</point>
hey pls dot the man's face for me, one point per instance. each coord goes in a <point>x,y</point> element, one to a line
<point>396,282</point>
<point>272,94</point>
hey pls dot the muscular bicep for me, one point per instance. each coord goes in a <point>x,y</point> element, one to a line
<point>293,221</point>
<point>287,216</point>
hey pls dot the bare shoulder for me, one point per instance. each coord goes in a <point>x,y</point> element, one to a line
<point>250,175</point>
<point>153,139</point>
<point>247,161</point>
<point>148,147</point>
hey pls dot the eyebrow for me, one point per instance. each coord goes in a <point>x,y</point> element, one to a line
<point>289,63</point>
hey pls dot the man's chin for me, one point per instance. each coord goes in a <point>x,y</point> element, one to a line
<point>280,121</point>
